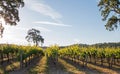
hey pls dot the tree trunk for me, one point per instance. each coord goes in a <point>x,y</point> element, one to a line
<point>90,57</point>
<point>36,43</point>
<point>86,60</point>
<point>8,57</point>
<point>21,60</point>
<point>1,58</point>
<point>95,59</point>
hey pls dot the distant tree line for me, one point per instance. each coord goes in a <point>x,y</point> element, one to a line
<point>101,45</point>
<point>107,44</point>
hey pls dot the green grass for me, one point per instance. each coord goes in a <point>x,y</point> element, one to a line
<point>40,67</point>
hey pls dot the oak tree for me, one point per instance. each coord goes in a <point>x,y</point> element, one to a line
<point>33,35</point>
<point>110,10</point>
<point>9,11</point>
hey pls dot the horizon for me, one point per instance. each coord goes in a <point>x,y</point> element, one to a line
<point>61,22</point>
<point>58,45</point>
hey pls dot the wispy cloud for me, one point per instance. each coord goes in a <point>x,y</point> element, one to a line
<point>13,28</point>
<point>42,8</point>
<point>24,29</point>
<point>52,23</point>
<point>43,29</point>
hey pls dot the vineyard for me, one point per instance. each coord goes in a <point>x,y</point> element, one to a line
<point>110,56</point>
<point>73,59</point>
<point>23,55</point>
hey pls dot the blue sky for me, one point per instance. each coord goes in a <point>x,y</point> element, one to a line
<point>62,22</point>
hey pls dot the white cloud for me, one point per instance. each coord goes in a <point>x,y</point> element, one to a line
<point>76,40</point>
<point>43,29</point>
<point>13,40</point>
<point>51,23</point>
<point>43,9</point>
<point>14,29</point>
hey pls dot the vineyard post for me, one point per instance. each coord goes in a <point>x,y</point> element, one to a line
<point>1,58</point>
<point>21,59</point>
<point>86,60</point>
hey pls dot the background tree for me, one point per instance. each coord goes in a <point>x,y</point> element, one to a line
<point>9,11</point>
<point>1,30</point>
<point>110,9</point>
<point>34,36</point>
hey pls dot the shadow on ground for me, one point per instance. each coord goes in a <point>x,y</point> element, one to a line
<point>56,68</point>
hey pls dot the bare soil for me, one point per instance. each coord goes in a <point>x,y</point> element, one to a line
<point>63,66</point>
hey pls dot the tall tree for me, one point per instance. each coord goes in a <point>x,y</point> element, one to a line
<point>9,11</point>
<point>34,36</point>
<point>1,30</point>
<point>110,10</point>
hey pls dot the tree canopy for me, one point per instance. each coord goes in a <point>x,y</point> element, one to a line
<point>110,10</point>
<point>33,35</point>
<point>9,10</point>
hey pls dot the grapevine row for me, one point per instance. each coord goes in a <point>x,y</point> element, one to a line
<point>92,54</point>
<point>23,54</point>
<point>52,53</point>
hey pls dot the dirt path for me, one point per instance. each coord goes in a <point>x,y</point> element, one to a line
<point>48,67</point>
<point>63,67</point>
<point>70,67</point>
<point>39,68</point>
<point>78,69</point>
<point>92,69</point>
<point>45,66</point>
<point>26,70</point>
<point>56,68</point>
